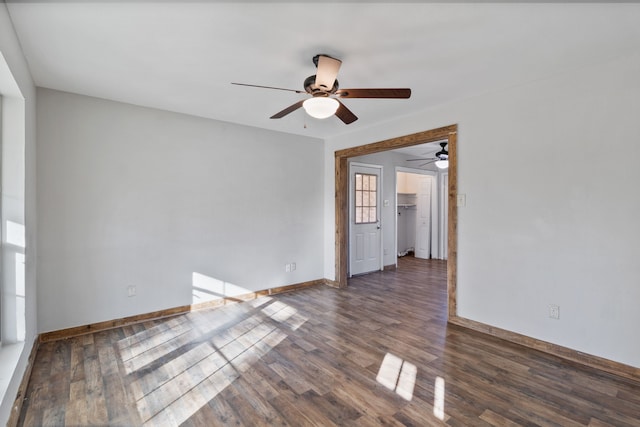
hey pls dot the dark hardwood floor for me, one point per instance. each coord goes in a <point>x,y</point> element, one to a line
<point>377,353</point>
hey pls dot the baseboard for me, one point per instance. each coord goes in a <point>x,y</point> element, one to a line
<point>296,287</point>
<point>14,417</point>
<point>110,324</point>
<point>138,318</point>
<point>600,363</point>
<point>332,283</point>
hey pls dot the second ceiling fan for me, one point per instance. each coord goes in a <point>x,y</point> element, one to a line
<point>325,93</point>
<point>441,158</point>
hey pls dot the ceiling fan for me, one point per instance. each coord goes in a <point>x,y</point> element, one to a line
<point>441,158</point>
<point>325,93</point>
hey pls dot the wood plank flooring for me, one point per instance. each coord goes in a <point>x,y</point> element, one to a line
<point>378,353</point>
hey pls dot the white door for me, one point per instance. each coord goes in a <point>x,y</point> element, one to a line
<point>365,237</point>
<point>423,218</point>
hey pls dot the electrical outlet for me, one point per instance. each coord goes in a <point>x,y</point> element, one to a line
<point>554,311</point>
<point>131,291</point>
<point>293,266</point>
<point>287,268</point>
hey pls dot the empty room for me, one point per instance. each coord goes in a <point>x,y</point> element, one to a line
<point>319,213</point>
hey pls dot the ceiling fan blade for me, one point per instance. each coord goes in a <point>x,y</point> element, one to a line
<point>327,71</point>
<point>420,160</point>
<point>398,93</point>
<point>269,87</point>
<point>288,110</point>
<point>424,164</point>
<point>344,114</point>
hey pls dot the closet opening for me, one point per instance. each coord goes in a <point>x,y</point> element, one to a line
<point>421,214</point>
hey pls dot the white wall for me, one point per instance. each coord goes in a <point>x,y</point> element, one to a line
<point>131,196</point>
<point>551,218</point>
<point>18,174</point>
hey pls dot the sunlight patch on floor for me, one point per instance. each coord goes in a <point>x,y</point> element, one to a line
<point>438,398</point>
<point>398,375</point>
<point>283,313</point>
<point>179,375</point>
<point>140,354</point>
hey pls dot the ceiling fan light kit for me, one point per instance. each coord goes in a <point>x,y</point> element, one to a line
<point>320,107</point>
<point>442,164</point>
<point>323,87</point>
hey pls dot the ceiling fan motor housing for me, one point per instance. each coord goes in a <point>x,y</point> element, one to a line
<point>312,88</point>
<point>442,154</point>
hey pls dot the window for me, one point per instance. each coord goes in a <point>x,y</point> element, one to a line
<point>366,200</point>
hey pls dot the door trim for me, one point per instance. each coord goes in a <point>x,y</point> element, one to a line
<point>351,204</point>
<point>448,133</point>
<point>441,212</point>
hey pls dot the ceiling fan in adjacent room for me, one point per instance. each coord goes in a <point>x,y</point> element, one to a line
<point>326,94</point>
<point>441,158</point>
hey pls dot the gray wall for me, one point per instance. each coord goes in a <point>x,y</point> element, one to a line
<point>132,196</point>
<point>550,218</point>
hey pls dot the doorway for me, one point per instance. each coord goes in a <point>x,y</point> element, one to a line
<point>417,213</point>
<point>447,133</point>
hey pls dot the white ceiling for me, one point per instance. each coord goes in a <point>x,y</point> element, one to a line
<point>182,56</point>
